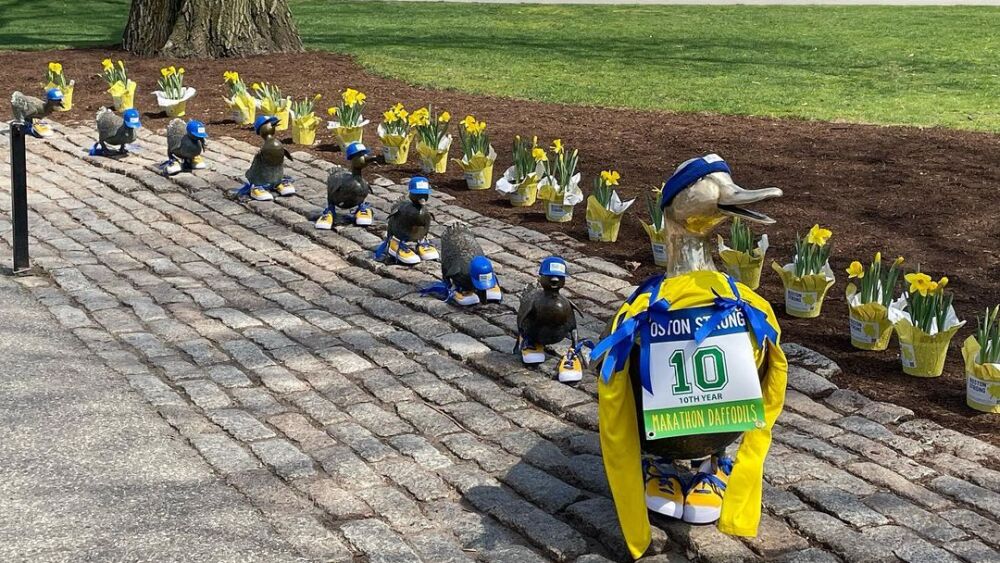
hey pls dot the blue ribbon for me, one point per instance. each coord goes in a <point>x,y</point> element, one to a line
<point>381,249</point>
<point>245,190</point>
<point>440,289</point>
<point>618,345</point>
<point>757,319</point>
<point>365,206</point>
<point>95,150</point>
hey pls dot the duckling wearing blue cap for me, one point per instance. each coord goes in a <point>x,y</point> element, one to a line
<point>27,109</point>
<point>266,175</point>
<point>113,129</point>
<point>467,274</point>
<point>410,222</point>
<point>547,317</point>
<point>348,189</point>
<point>185,145</point>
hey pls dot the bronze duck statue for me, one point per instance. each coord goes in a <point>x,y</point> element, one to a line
<point>185,145</point>
<point>348,189</point>
<point>467,274</point>
<point>410,222</point>
<point>27,109</point>
<point>267,171</point>
<point>547,317</point>
<point>115,130</point>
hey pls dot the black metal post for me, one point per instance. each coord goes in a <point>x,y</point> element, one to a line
<point>19,197</point>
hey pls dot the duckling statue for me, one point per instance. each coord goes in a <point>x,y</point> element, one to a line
<point>547,317</point>
<point>467,274</point>
<point>27,109</point>
<point>185,144</point>
<point>410,221</point>
<point>348,189</point>
<point>115,130</point>
<point>267,171</point>
<point>691,362</point>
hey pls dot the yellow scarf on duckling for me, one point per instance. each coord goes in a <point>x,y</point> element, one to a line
<point>619,424</point>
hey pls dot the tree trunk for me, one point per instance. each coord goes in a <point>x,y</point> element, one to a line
<point>210,28</point>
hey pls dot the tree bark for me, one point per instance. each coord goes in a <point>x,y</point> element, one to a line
<point>210,28</point>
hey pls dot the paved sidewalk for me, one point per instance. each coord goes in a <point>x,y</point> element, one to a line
<point>90,472</point>
<point>398,428</point>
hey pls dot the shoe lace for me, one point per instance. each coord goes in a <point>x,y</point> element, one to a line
<point>663,475</point>
<point>716,484</point>
<point>365,206</point>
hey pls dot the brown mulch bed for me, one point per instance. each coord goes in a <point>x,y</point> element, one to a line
<point>927,194</point>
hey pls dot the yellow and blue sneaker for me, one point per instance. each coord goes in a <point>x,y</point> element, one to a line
<point>570,367</point>
<point>403,253</point>
<point>364,216</point>
<point>284,188</point>
<point>703,501</point>
<point>664,489</point>
<point>465,299</point>
<point>427,251</point>
<point>326,219</point>
<point>261,194</point>
<point>198,163</point>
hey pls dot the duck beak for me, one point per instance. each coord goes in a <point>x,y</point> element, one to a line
<point>733,197</point>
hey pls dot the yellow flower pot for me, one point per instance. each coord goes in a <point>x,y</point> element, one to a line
<point>870,326</point>
<point>176,110</point>
<point>526,193</point>
<point>922,354</point>
<point>283,118</point>
<point>478,170</point>
<point>123,97</point>
<point>804,295</point>
<point>558,213</point>
<point>658,244</point>
<point>396,149</point>
<point>982,381</point>
<point>243,107</point>
<point>347,135</point>
<point>744,267</point>
<point>304,131</point>
<point>67,93</point>
<point>602,224</point>
<point>432,160</point>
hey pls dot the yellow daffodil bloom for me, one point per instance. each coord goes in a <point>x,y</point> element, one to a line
<point>818,235</point>
<point>107,64</point>
<point>557,146</point>
<point>165,72</point>
<point>878,257</point>
<point>420,117</point>
<point>898,262</point>
<point>920,283</point>
<point>390,116</point>
<point>445,117</point>
<point>332,110</point>
<point>538,154</point>
<point>352,97</point>
<point>469,123</point>
<point>402,113</point>
<point>55,68</point>
<point>398,108</point>
<point>610,177</point>
<point>231,76</point>
<point>943,282</point>
<point>856,270</point>
<point>180,70</point>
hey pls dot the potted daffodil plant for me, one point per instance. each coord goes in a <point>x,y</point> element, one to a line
<point>304,120</point>
<point>520,181</point>
<point>926,326</point>
<point>433,140</point>
<point>656,228</point>
<point>869,304</point>
<point>347,123</point>
<point>605,208</point>
<point>173,95</point>
<point>240,101</point>
<point>54,78</point>
<point>809,276</point>
<point>560,188</point>
<point>744,260</point>
<point>121,88</point>
<point>477,154</point>
<point>395,134</point>
<point>981,352</point>
<point>271,102</point>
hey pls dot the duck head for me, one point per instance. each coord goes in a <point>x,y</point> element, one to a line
<point>699,196</point>
<point>54,99</point>
<point>419,190</point>
<point>359,157</point>
<point>196,130</point>
<point>552,274</point>
<point>264,125</point>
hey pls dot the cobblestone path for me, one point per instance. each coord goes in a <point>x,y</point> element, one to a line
<point>368,423</point>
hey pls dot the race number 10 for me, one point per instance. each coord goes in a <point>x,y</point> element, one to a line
<point>709,365</point>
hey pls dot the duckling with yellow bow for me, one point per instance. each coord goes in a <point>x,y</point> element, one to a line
<point>691,362</point>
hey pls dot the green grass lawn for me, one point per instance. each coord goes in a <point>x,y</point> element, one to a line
<point>910,65</point>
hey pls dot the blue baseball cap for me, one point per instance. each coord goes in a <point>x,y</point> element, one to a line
<point>196,129</point>
<point>553,266</point>
<point>355,149</point>
<point>131,116</point>
<point>689,172</point>
<point>420,186</point>
<point>481,272</point>
<point>261,120</point>
<point>54,94</point>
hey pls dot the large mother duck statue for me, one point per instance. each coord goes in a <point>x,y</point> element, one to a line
<point>691,362</point>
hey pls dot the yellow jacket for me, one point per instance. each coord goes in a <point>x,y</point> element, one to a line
<point>619,426</point>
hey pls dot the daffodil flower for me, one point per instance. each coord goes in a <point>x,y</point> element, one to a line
<point>538,154</point>
<point>898,262</point>
<point>920,283</point>
<point>469,123</point>
<point>332,110</point>
<point>943,282</point>
<point>445,117</point>
<point>107,64</point>
<point>231,76</point>
<point>610,177</point>
<point>55,68</point>
<point>557,146</point>
<point>390,116</point>
<point>818,235</point>
<point>856,270</point>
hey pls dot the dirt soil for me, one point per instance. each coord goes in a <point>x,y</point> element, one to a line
<point>927,194</point>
